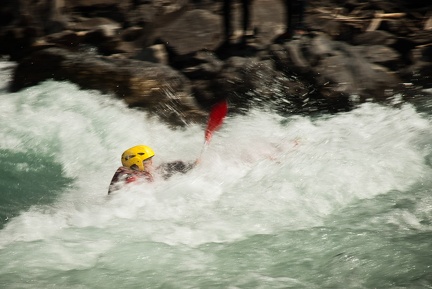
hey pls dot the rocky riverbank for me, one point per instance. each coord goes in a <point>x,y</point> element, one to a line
<point>166,56</point>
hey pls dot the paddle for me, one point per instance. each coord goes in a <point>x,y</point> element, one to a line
<point>217,114</point>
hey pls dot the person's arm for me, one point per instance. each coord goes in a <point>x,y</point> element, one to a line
<point>168,169</point>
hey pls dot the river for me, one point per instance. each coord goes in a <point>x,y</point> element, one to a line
<point>329,201</point>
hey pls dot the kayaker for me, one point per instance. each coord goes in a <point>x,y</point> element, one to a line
<point>137,164</point>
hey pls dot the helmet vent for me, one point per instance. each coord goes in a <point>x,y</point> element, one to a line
<point>141,154</point>
<point>129,157</point>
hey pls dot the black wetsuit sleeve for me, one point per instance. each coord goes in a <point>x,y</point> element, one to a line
<point>168,169</point>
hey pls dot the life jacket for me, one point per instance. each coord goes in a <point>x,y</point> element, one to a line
<point>125,175</point>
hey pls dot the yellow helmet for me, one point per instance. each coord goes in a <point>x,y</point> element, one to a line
<point>136,155</point>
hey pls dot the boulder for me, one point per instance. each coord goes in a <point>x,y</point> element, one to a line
<point>382,55</point>
<point>194,31</point>
<point>249,83</point>
<point>140,84</point>
<point>355,47</point>
<point>336,65</point>
<point>377,37</point>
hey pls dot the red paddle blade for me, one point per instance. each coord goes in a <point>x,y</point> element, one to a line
<point>217,114</point>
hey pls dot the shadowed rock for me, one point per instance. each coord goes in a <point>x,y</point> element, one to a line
<point>194,31</point>
<point>364,48</point>
<point>145,84</point>
<point>336,65</point>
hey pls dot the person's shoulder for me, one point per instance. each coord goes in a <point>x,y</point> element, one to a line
<point>123,169</point>
<point>128,171</point>
<point>121,172</point>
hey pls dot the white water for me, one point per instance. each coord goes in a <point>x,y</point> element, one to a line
<point>262,175</point>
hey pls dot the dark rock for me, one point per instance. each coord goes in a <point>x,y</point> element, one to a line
<point>17,41</point>
<point>422,53</point>
<point>155,53</point>
<point>9,12</point>
<point>380,54</point>
<point>337,65</point>
<point>109,26</point>
<point>155,15</point>
<point>337,30</point>
<point>419,74</point>
<point>120,47</point>
<point>377,37</point>
<point>249,83</point>
<point>110,9</point>
<point>139,83</point>
<point>422,37</point>
<point>192,32</point>
<point>66,38</point>
<point>204,65</point>
<point>131,33</point>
